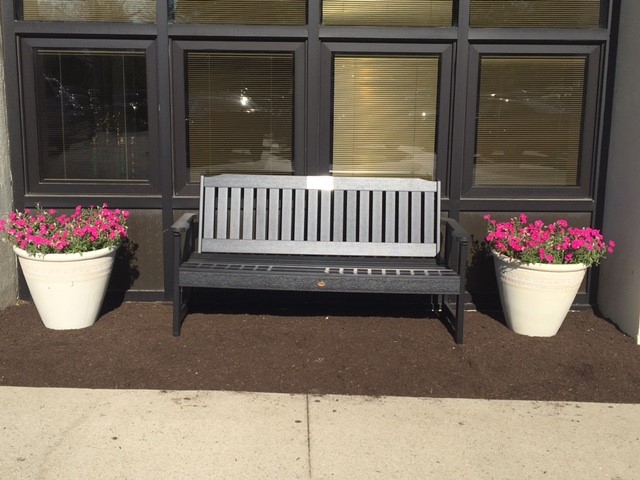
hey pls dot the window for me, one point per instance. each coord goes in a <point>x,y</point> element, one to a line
<point>402,13</point>
<point>88,113</point>
<point>385,111</point>
<point>235,110</point>
<point>241,12</point>
<point>129,11</point>
<point>536,13</point>
<point>529,120</point>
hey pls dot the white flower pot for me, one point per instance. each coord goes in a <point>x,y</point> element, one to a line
<point>536,297</point>
<point>67,288</point>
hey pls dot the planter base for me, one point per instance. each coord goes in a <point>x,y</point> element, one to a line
<point>67,289</point>
<point>537,297</point>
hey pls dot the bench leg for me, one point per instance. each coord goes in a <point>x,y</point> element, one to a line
<point>180,309</point>
<point>459,327</point>
<point>454,320</point>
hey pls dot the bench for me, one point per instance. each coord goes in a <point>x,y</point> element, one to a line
<point>331,234</point>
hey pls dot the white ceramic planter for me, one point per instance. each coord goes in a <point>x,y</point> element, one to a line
<point>536,297</point>
<point>67,289</point>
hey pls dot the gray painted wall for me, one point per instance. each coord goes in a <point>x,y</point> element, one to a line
<point>8,278</point>
<point>619,292</point>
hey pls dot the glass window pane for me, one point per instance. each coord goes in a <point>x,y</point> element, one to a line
<point>240,12</point>
<point>128,11</point>
<point>384,119</point>
<point>240,113</point>
<point>401,13</point>
<point>530,113</point>
<point>536,13</point>
<point>91,108</point>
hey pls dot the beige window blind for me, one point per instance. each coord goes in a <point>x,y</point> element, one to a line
<point>530,113</point>
<point>240,113</point>
<point>536,13</point>
<point>241,12</point>
<point>124,11</point>
<point>384,118</point>
<point>402,13</point>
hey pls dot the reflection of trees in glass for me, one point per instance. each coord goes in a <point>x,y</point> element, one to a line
<point>92,115</point>
<point>131,11</point>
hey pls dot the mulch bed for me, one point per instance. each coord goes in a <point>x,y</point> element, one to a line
<point>351,344</point>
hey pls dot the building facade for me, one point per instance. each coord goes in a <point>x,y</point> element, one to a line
<point>128,102</point>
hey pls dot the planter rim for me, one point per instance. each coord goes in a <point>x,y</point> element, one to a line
<point>543,267</point>
<point>64,257</point>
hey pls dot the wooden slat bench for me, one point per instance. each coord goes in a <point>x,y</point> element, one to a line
<point>333,234</point>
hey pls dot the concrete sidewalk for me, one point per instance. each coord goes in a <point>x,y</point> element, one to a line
<point>143,434</point>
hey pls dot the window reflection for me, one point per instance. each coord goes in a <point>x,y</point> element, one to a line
<point>92,115</point>
<point>240,113</point>
<point>529,120</point>
<point>385,116</point>
<point>125,11</point>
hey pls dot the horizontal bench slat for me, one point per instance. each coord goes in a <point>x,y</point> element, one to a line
<point>318,248</point>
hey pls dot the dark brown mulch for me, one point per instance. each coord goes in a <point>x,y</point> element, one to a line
<point>335,344</point>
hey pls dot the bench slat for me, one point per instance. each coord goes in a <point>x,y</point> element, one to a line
<point>261,214</point>
<point>403,217</point>
<point>338,216</point>
<point>235,214</point>
<point>222,205</point>
<point>319,248</point>
<point>352,211</point>
<point>300,215</point>
<point>274,214</point>
<point>325,216</point>
<point>247,217</point>
<point>363,217</point>
<point>312,216</point>
<point>286,216</point>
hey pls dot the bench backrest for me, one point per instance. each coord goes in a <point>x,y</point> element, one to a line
<point>319,215</point>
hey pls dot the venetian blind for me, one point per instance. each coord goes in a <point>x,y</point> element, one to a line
<point>129,11</point>
<point>405,13</point>
<point>536,13</point>
<point>240,113</point>
<point>241,12</point>
<point>384,116</point>
<point>91,108</point>
<point>530,113</point>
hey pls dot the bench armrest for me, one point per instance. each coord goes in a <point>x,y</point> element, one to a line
<point>456,230</point>
<point>184,223</point>
<point>456,240</point>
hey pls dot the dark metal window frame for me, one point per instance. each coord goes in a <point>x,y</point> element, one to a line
<point>34,186</point>
<point>182,186</point>
<point>444,52</point>
<point>584,187</point>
